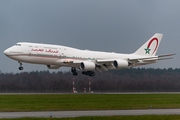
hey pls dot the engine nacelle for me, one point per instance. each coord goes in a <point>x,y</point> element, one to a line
<point>87,65</point>
<point>120,63</point>
<point>53,66</point>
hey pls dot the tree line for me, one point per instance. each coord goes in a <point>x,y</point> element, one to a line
<point>125,80</point>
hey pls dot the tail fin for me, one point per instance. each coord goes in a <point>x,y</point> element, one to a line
<point>151,46</point>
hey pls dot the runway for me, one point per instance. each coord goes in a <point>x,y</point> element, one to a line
<point>64,114</point>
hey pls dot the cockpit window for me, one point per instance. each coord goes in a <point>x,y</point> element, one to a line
<point>17,44</point>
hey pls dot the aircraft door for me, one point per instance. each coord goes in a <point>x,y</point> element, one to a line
<point>29,50</point>
<point>61,53</point>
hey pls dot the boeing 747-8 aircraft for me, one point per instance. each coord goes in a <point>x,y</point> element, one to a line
<point>55,56</point>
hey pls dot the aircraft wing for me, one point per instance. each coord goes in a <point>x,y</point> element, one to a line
<point>70,62</point>
<point>135,60</point>
<point>106,64</point>
<point>151,59</point>
<point>104,61</point>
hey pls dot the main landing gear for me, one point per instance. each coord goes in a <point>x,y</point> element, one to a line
<point>89,73</point>
<point>20,67</point>
<point>73,70</point>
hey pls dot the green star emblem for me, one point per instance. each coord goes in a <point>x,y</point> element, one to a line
<point>147,50</point>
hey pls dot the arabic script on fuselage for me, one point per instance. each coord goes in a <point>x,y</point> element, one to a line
<point>45,50</point>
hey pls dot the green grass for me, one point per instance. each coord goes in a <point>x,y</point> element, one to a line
<point>51,102</point>
<point>143,117</point>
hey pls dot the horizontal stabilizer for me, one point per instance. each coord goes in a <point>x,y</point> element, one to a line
<point>160,57</point>
<point>166,55</point>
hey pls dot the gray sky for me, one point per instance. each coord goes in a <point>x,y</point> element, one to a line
<point>104,25</point>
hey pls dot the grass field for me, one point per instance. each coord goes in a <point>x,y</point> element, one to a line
<point>143,117</point>
<point>51,102</point>
<point>48,102</point>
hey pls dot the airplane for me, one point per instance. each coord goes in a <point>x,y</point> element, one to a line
<point>56,56</point>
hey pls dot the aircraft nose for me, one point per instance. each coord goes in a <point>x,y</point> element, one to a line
<point>7,52</point>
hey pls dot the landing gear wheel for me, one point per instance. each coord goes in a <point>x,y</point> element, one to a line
<point>89,73</point>
<point>92,74</point>
<point>21,68</point>
<point>75,74</point>
<point>73,70</point>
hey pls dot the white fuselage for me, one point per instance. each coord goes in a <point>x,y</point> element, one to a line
<point>55,56</point>
<point>49,54</point>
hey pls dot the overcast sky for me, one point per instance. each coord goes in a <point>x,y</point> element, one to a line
<point>104,25</point>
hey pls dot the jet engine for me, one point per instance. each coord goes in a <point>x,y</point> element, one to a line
<point>87,66</point>
<point>120,63</point>
<point>53,66</point>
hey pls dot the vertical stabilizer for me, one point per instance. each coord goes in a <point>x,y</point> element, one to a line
<point>151,46</point>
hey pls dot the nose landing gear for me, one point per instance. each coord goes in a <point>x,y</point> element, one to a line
<point>20,67</point>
